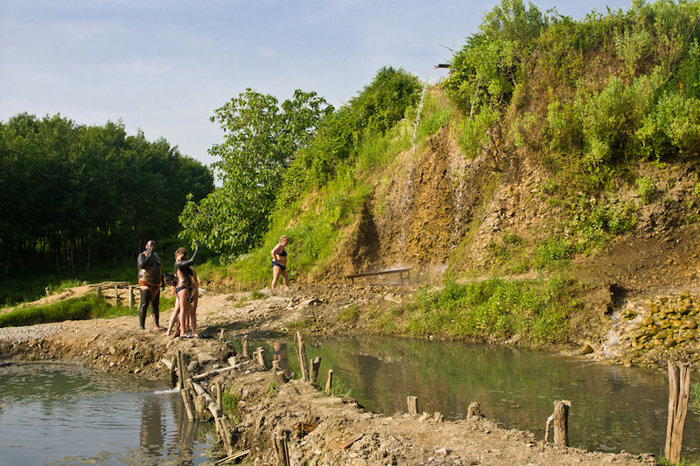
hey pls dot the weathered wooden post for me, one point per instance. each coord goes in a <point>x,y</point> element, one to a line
<point>116,295</point>
<point>98,291</point>
<point>412,402</point>
<point>678,394</point>
<point>245,346</point>
<point>131,297</point>
<point>279,440</point>
<point>46,290</point>
<point>221,334</point>
<point>329,382</point>
<point>474,410</point>
<point>219,404</point>
<point>315,366</point>
<point>560,416</point>
<point>301,354</point>
<point>259,356</point>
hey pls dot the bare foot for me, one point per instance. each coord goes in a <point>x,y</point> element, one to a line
<point>159,328</point>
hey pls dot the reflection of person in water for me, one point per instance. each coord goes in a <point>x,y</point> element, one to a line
<point>151,426</point>
<point>182,443</point>
<point>279,354</point>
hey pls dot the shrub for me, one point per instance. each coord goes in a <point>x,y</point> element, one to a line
<point>646,188</point>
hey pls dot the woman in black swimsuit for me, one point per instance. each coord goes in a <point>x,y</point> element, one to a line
<point>279,262</point>
<point>184,290</point>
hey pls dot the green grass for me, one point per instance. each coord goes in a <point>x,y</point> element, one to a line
<point>29,285</point>
<point>537,310</point>
<point>82,308</point>
<point>695,398</point>
<point>229,404</point>
<point>349,314</point>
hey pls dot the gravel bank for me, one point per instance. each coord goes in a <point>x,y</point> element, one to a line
<point>30,332</point>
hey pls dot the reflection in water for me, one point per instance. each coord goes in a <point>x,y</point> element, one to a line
<point>77,416</point>
<point>279,354</point>
<point>613,407</point>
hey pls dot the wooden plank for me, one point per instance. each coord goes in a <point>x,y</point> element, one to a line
<point>380,272</point>
<point>349,443</point>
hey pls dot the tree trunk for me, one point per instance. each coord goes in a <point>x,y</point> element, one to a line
<point>89,256</point>
<point>57,254</point>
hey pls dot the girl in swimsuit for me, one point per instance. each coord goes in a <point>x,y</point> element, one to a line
<point>279,262</point>
<point>185,290</point>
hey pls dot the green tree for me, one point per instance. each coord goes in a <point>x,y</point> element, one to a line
<point>261,138</point>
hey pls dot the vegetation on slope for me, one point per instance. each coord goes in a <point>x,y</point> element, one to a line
<point>592,101</point>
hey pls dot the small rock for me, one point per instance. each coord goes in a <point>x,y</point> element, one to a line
<point>586,349</point>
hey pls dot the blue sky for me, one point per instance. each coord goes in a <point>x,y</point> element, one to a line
<point>164,66</point>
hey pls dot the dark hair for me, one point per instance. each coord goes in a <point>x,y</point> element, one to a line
<point>182,251</point>
<point>170,279</point>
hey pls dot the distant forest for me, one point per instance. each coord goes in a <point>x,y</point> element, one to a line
<point>73,195</point>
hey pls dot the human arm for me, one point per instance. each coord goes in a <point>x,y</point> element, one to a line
<point>274,252</point>
<point>188,262</point>
<point>145,259</point>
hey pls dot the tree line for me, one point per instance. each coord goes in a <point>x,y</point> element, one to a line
<point>74,194</point>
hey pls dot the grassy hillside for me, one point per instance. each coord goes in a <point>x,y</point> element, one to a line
<point>603,114</point>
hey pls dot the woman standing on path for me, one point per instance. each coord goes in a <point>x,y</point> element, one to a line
<point>185,291</point>
<point>279,262</point>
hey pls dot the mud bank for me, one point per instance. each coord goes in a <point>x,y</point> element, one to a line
<point>330,430</point>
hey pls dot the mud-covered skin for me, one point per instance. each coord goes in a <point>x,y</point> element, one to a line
<point>184,271</point>
<point>150,268</point>
<point>150,271</point>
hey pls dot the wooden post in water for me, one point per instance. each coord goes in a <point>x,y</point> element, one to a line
<point>259,356</point>
<point>131,297</point>
<point>315,366</point>
<point>329,382</point>
<point>245,346</point>
<point>301,354</point>
<point>560,416</point>
<point>474,410</point>
<point>412,402</point>
<point>678,394</point>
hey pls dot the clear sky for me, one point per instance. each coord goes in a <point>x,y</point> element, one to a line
<point>164,66</point>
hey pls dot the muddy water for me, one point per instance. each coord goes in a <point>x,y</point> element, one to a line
<point>614,408</point>
<point>65,414</point>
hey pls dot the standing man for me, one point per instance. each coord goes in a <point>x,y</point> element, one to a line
<point>150,283</point>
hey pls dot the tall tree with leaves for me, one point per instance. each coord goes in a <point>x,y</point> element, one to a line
<point>261,138</point>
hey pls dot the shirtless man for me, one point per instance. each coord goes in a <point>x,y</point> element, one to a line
<point>279,262</point>
<point>150,282</point>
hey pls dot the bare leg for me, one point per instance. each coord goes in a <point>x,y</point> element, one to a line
<point>173,318</point>
<point>183,297</point>
<point>275,275</point>
<point>285,278</point>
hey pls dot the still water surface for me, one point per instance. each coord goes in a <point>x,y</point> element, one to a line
<point>56,413</point>
<point>614,408</point>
